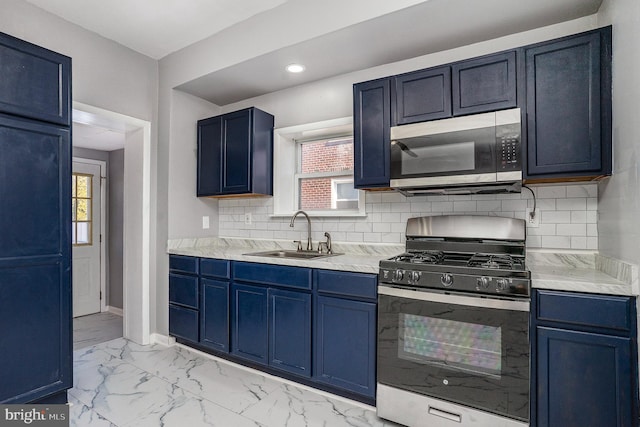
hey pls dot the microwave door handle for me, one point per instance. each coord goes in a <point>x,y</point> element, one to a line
<point>404,148</point>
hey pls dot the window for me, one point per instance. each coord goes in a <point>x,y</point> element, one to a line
<point>81,206</point>
<point>313,170</point>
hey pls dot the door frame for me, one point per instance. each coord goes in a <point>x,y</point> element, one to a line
<point>103,227</point>
<point>139,262</point>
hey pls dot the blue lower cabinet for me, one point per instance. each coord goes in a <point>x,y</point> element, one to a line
<point>214,314</point>
<point>249,338</point>
<point>290,331</point>
<point>584,379</point>
<point>345,344</point>
<point>183,322</point>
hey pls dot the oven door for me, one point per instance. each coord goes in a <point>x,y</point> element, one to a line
<point>467,350</point>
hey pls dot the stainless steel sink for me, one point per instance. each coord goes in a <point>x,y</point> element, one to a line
<point>292,254</point>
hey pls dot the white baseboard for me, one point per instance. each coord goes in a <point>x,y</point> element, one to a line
<point>162,339</point>
<point>114,310</point>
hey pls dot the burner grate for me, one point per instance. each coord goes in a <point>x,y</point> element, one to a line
<point>497,261</point>
<point>424,257</point>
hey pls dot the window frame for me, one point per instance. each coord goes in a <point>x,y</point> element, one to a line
<point>286,161</point>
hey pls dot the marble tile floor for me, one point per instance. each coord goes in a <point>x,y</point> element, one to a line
<point>95,329</point>
<point>122,384</point>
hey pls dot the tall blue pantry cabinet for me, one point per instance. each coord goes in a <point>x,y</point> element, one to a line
<point>35,224</point>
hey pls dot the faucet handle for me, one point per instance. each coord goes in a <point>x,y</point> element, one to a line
<point>299,242</point>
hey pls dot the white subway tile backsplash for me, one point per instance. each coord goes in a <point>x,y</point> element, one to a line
<point>578,242</point>
<point>578,217</point>
<point>489,205</point>
<point>559,242</point>
<point>555,217</point>
<point>514,205</point>
<point>571,230</point>
<point>552,192</point>
<point>576,204</point>
<point>568,216</point>
<point>582,191</point>
<point>442,206</point>
<point>464,206</point>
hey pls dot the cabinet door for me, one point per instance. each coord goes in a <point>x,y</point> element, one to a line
<point>183,322</point>
<point>371,122</point>
<point>563,81</point>
<point>290,331</point>
<point>214,314</point>
<point>423,95</point>
<point>484,84</point>
<point>249,322</point>
<point>209,157</point>
<point>345,344</point>
<point>584,379</point>
<point>236,152</point>
<point>35,83</point>
<point>35,260</point>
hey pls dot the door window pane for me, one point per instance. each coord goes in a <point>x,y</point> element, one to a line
<point>81,209</point>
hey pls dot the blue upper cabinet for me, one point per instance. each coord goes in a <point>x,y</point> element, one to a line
<point>235,154</point>
<point>568,104</point>
<point>371,123</point>
<point>484,84</point>
<point>34,82</point>
<point>422,95</point>
<point>35,224</point>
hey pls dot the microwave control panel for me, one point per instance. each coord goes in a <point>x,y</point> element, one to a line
<point>509,157</point>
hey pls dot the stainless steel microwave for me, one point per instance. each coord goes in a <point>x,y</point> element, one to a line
<point>472,154</point>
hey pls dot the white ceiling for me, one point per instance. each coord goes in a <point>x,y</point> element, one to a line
<point>156,28</point>
<point>97,132</point>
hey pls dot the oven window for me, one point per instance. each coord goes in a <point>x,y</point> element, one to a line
<point>460,345</point>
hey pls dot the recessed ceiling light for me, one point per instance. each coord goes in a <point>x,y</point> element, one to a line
<point>295,68</point>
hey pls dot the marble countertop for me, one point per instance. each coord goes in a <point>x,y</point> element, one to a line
<point>354,257</point>
<point>577,272</point>
<point>582,272</point>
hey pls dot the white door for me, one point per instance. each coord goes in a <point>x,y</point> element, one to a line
<point>85,235</point>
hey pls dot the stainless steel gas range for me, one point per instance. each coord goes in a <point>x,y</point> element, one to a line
<point>453,324</point>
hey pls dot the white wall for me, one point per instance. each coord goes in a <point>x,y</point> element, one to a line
<point>105,74</point>
<point>619,203</point>
<point>186,210</point>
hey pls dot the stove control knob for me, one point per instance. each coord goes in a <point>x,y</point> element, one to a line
<point>482,283</point>
<point>398,275</point>
<point>415,276</point>
<point>501,284</point>
<point>446,279</point>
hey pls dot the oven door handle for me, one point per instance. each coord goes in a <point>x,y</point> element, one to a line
<point>484,302</point>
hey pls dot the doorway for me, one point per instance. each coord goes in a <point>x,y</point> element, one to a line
<point>132,256</point>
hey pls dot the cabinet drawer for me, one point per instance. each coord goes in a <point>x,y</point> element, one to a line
<point>185,264</point>
<point>270,274</point>
<point>183,323</point>
<point>214,267</point>
<point>183,290</point>
<point>601,311</point>
<point>347,284</point>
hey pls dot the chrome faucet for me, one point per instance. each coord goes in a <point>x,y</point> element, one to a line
<point>293,218</point>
